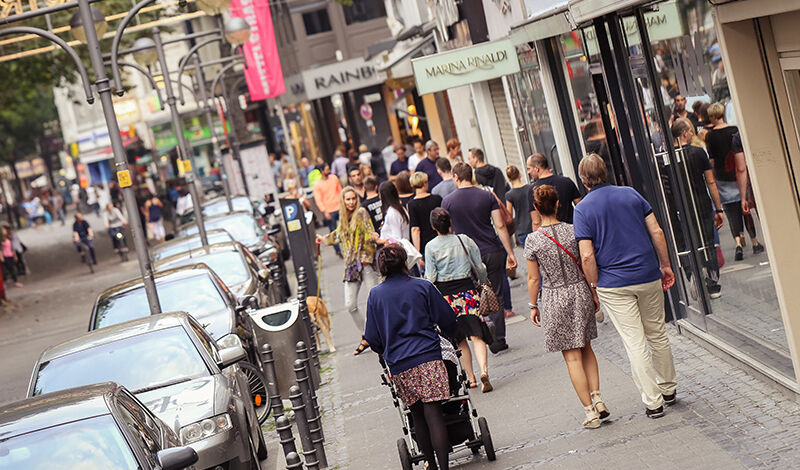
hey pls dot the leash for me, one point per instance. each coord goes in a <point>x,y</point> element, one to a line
<point>319,267</point>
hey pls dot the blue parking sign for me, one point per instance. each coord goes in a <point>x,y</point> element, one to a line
<point>290,211</point>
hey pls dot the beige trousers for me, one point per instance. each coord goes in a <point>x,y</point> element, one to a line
<point>638,314</point>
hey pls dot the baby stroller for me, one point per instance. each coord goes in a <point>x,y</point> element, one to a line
<point>463,429</point>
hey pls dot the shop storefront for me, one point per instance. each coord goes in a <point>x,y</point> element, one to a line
<point>343,104</point>
<point>299,113</point>
<point>620,70</point>
<point>198,134</point>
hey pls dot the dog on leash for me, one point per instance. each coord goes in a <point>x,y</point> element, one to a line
<point>319,315</point>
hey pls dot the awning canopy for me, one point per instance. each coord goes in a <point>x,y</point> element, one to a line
<point>394,56</point>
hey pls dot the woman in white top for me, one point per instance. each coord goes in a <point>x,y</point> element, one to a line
<point>395,217</point>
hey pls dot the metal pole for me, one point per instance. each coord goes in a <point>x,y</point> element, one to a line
<point>309,451</point>
<point>184,151</point>
<point>120,159</point>
<point>233,136</point>
<point>314,421</point>
<point>271,377</point>
<point>289,146</point>
<point>201,79</point>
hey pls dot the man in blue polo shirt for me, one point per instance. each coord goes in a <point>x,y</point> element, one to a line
<point>428,164</point>
<point>624,256</point>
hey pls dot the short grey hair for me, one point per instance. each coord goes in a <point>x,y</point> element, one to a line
<point>592,170</point>
<point>430,144</point>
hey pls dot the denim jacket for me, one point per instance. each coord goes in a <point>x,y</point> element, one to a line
<point>445,259</point>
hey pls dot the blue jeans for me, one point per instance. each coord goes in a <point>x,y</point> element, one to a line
<point>521,237</point>
<point>331,224</point>
<point>506,293</point>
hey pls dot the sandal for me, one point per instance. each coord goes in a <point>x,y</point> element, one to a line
<point>599,405</point>
<point>592,420</point>
<point>486,386</point>
<point>363,346</point>
<point>473,383</point>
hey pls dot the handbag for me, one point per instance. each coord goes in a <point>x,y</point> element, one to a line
<point>597,314</point>
<point>487,298</point>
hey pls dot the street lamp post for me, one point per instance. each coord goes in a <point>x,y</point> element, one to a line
<point>103,87</point>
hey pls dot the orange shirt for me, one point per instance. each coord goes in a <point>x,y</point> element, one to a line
<point>326,193</point>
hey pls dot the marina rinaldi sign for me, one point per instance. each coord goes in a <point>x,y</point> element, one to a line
<point>459,67</point>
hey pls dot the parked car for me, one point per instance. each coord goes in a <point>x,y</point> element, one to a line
<point>197,290</point>
<point>179,245</point>
<point>245,230</point>
<point>236,266</point>
<point>98,426</point>
<point>171,364</point>
<point>219,205</point>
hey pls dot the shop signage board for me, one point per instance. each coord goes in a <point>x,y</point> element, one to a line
<point>263,73</point>
<point>341,77</point>
<point>459,67</point>
<point>663,24</point>
<point>295,90</point>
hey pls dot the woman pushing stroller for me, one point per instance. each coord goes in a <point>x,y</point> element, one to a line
<point>402,315</point>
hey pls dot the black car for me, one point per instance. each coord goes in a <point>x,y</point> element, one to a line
<point>93,427</point>
<point>197,290</point>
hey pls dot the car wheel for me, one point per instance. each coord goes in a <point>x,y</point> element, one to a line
<point>258,390</point>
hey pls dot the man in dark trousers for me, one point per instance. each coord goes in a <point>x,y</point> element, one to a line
<point>475,213</point>
<point>488,175</point>
<point>540,173</point>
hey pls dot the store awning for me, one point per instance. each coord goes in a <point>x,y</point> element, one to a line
<point>545,24</point>
<point>396,60</point>
<point>586,10</point>
<point>104,153</point>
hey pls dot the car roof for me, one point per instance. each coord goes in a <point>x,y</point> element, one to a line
<point>234,214</point>
<point>186,239</point>
<point>168,275</point>
<point>116,332</point>
<point>53,409</point>
<point>200,251</point>
<point>219,199</point>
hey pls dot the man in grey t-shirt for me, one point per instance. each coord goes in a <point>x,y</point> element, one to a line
<point>447,185</point>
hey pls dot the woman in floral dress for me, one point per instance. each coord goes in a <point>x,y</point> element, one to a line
<point>567,305</point>
<point>447,265</point>
<point>354,234</point>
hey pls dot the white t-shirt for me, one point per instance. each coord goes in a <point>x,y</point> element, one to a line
<point>413,160</point>
<point>184,204</point>
<point>394,226</point>
<point>365,158</point>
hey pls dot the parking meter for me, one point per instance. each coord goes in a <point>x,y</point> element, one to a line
<point>300,243</point>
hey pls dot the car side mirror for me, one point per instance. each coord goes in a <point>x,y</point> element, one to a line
<point>263,274</point>
<point>231,355</point>
<point>176,458</point>
<point>248,301</point>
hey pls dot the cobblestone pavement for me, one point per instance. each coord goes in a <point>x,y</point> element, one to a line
<point>724,417</point>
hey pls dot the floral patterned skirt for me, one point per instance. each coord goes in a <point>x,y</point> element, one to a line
<point>470,324</point>
<point>427,382</point>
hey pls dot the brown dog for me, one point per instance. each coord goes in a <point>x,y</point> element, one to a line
<point>320,317</point>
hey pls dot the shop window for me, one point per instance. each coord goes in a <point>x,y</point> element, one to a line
<point>363,10</point>
<point>317,21</point>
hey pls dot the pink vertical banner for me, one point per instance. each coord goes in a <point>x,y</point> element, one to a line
<point>263,73</point>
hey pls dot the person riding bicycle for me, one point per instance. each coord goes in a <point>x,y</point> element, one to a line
<point>82,234</point>
<point>115,225</point>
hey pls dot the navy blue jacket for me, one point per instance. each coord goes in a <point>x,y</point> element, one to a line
<point>401,314</point>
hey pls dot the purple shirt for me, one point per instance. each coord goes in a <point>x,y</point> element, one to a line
<point>428,167</point>
<point>471,212</point>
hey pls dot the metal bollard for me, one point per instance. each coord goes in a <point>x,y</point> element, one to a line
<point>271,377</point>
<point>293,461</point>
<point>313,346</point>
<point>284,428</point>
<point>302,354</point>
<point>309,451</point>
<point>312,415</point>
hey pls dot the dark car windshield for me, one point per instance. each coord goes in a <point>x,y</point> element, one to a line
<point>137,362</point>
<point>221,207</point>
<point>196,295</point>
<point>90,444</point>
<point>190,244</point>
<point>242,227</point>
<point>229,266</point>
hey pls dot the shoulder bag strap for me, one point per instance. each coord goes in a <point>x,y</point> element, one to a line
<point>472,267</point>
<point>565,250</point>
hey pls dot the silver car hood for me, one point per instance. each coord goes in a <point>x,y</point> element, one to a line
<point>184,403</point>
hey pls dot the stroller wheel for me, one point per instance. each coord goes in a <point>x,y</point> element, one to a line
<point>486,438</point>
<point>405,456</point>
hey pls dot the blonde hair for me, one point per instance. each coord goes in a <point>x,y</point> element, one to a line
<point>716,111</point>
<point>346,219</point>
<point>418,179</point>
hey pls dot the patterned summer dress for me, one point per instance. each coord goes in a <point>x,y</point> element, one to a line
<point>566,304</point>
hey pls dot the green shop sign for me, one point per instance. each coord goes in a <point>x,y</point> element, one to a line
<point>463,66</point>
<point>193,129</point>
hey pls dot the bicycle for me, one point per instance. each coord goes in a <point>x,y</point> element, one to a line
<point>117,235</point>
<point>86,253</point>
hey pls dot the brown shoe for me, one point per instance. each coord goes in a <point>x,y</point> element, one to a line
<point>486,386</point>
